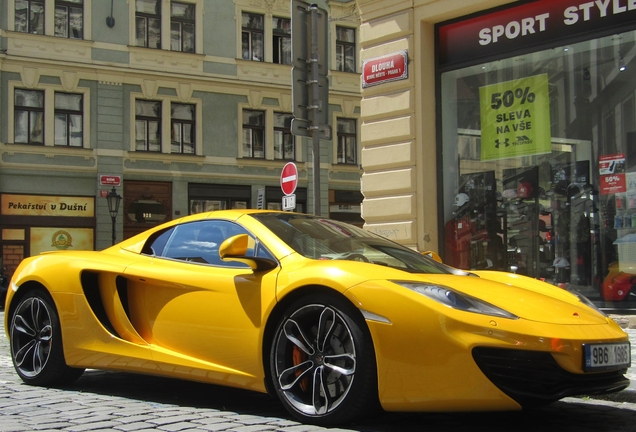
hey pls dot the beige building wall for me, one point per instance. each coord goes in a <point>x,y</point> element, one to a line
<point>397,132</point>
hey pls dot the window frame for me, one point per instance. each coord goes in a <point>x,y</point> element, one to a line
<point>49,112</point>
<point>252,129</point>
<point>146,17</point>
<point>341,142</point>
<point>343,45</point>
<point>286,131</point>
<point>67,113</point>
<point>68,4</point>
<point>277,42</point>
<point>29,3</point>
<point>250,31</point>
<point>29,110</point>
<point>146,119</point>
<point>182,122</point>
<point>181,21</point>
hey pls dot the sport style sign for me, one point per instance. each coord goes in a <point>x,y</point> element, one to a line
<point>528,23</point>
<point>383,69</point>
<point>515,118</point>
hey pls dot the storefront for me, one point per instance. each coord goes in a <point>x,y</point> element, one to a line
<point>537,140</point>
<point>32,224</point>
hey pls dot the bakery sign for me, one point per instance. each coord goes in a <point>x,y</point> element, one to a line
<point>383,69</point>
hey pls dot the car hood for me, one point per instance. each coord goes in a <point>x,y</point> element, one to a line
<point>525,297</point>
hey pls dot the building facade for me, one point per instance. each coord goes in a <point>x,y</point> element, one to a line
<point>510,145</point>
<point>176,106</point>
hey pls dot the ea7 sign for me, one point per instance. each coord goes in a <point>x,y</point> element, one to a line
<point>383,69</point>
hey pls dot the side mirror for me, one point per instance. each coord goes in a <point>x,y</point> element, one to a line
<point>434,255</point>
<point>235,249</point>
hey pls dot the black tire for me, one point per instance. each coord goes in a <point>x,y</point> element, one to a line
<point>322,361</point>
<point>36,342</point>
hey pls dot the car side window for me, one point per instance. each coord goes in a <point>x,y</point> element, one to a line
<point>157,242</point>
<point>200,241</point>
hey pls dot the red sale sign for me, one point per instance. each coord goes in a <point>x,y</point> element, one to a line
<point>612,172</point>
<point>614,183</point>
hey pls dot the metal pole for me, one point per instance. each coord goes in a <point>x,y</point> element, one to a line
<point>315,107</point>
<point>114,219</point>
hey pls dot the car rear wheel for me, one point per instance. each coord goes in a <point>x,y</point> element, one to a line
<point>323,363</point>
<point>36,342</point>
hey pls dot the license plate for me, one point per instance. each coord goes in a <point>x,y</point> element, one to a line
<point>607,356</point>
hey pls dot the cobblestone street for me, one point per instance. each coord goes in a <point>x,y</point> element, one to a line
<point>108,401</point>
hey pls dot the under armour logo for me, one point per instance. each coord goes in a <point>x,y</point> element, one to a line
<point>498,142</point>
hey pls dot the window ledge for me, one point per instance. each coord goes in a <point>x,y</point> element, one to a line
<point>48,151</point>
<point>49,47</point>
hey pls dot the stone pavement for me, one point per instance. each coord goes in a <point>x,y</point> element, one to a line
<point>108,401</point>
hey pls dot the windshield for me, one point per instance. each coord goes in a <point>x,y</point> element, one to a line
<point>326,239</point>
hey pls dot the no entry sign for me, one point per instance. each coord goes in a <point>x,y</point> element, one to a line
<point>289,178</point>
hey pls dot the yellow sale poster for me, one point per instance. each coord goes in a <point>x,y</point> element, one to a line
<point>515,118</point>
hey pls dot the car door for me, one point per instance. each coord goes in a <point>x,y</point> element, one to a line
<point>198,311</point>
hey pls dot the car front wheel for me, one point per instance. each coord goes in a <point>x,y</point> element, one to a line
<point>323,362</point>
<point>36,342</point>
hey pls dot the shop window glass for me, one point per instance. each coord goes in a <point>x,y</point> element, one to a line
<point>69,19</point>
<point>282,40</point>
<point>69,120</point>
<point>347,148</point>
<point>345,49</point>
<point>147,126</point>
<point>252,36</point>
<point>182,23</point>
<point>253,134</point>
<point>558,203</point>
<point>29,16</point>
<point>183,128</point>
<point>284,143</point>
<point>148,23</point>
<point>29,117</point>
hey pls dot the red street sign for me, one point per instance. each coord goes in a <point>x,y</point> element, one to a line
<point>384,69</point>
<point>289,178</point>
<point>109,180</point>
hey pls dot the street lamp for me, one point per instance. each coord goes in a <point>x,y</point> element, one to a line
<point>113,200</point>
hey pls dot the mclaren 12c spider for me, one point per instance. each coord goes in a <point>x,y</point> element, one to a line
<point>329,318</point>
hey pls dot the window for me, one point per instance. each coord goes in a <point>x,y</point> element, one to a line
<point>198,242</point>
<point>253,134</point>
<point>282,40</point>
<point>252,37</point>
<point>183,127</point>
<point>283,139</point>
<point>147,126</point>
<point>347,151</point>
<point>69,120</point>
<point>148,23</point>
<point>29,116</point>
<point>29,16</point>
<point>182,19</point>
<point>69,19</point>
<point>345,49</point>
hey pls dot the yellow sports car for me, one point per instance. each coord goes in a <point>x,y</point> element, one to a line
<point>333,320</point>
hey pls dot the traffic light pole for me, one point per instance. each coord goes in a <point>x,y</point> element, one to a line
<point>315,107</point>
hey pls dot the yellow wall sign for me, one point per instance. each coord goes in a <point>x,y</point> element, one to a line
<point>54,239</point>
<point>41,205</point>
<point>515,118</point>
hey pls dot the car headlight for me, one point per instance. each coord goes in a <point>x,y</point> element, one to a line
<point>456,300</point>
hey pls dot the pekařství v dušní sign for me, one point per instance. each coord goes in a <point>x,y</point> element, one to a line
<point>43,205</point>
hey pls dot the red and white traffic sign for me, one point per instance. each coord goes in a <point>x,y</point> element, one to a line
<point>289,178</point>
